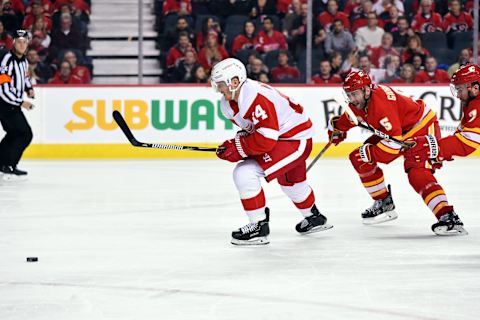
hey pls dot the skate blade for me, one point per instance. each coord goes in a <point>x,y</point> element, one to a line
<point>381,218</point>
<point>456,231</point>
<point>13,177</point>
<point>322,227</point>
<point>252,242</point>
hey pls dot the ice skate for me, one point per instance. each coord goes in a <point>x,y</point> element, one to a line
<point>381,211</point>
<point>12,173</point>
<point>449,224</point>
<point>315,223</point>
<point>253,234</point>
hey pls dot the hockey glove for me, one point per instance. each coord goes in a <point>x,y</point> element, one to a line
<point>425,148</point>
<point>231,150</point>
<point>334,135</point>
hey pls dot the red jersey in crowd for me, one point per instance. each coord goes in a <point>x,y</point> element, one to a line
<point>82,73</point>
<point>462,22</point>
<point>172,6</point>
<point>326,19</point>
<point>378,55</point>
<point>423,24</point>
<point>279,73</point>
<point>242,42</point>
<point>174,55</point>
<point>439,76</point>
<point>334,78</point>
<point>71,80</point>
<point>264,43</point>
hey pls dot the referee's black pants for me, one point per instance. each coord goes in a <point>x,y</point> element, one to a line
<point>18,135</point>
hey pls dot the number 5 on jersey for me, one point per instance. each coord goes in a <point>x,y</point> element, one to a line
<point>259,114</point>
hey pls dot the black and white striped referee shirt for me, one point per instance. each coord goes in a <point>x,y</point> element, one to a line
<point>14,79</point>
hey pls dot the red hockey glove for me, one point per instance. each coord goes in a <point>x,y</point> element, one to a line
<point>334,135</point>
<point>425,148</point>
<point>231,150</point>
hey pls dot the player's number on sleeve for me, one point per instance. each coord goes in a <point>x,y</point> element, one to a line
<point>386,124</point>
<point>472,114</point>
<point>259,114</point>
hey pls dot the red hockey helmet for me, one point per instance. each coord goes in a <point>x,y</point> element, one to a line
<point>466,74</point>
<point>463,77</point>
<point>356,80</point>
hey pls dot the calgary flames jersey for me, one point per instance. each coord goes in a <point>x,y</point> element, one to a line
<point>466,139</point>
<point>267,115</point>
<point>395,114</point>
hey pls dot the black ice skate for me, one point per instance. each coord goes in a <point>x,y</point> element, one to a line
<point>316,222</point>
<point>449,224</point>
<point>381,211</point>
<point>11,173</point>
<point>253,233</point>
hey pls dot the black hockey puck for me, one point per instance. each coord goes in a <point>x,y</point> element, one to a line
<point>32,259</point>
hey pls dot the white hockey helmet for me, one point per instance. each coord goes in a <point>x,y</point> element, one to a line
<point>225,71</point>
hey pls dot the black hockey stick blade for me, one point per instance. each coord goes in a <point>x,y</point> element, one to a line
<point>117,116</point>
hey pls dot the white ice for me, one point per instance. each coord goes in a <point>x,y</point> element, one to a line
<point>151,240</point>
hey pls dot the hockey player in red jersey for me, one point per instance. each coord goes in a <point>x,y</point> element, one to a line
<point>274,141</point>
<point>400,117</point>
<point>465,85</point>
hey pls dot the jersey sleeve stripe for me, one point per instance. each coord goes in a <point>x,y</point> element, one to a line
<point>387,149</point>
<point>465,140</point>
<point>424,120</point>
<point>268,133</point>
<point>297,129</point>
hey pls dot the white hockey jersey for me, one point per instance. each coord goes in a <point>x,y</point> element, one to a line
<point>267,115</point>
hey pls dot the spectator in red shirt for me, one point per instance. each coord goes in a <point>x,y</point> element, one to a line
<point>180,7</point>
<point>352,7</point>
<point>211,53</point>
<point>457,20</point>
<point>283,71</point>
<point>427,20</point>
<point>245,40</point>
<point>177,52</point>
<point>6,40</point>
<point>327,17</point>
<point>64,75</point>
<point>378,54</point>
<point>37,13</point>
<point>431,74</point>
<point>325,75</point>
<point>209,26</point>
<point>414,46</point>
<point>269,39</point>
<point>79,71</point>
<point>47,5</point>
<point>359,17</point>
<point>407,74</point>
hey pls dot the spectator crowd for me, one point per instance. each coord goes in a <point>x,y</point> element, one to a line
<point>395,41</point>
<point>58,31</point>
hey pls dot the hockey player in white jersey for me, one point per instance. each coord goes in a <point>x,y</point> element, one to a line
<point>274,141</point>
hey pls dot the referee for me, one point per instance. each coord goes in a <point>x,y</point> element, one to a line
<point>14,82</point>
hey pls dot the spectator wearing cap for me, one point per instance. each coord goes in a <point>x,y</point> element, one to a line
<point>64,75</point>
<point>378,54</point>
<point>6,40</point>
<point>11,20</point>
<point>427,20</point>
<point>339,39</point>
<point>38,71</point>
<point>269,39</point>
<point>332,13</point>
<point>369,35</point>
<point>78,71</point>
<point>67,37</point>
<point>282,70</point>
<point>14,82</point>
<point>457,20</point>
<point>407,74</point>
<point>432,74</point>
<point>325,74</point>
<point>211,53</point>
<point>36,14</point>
<point>246,39</point>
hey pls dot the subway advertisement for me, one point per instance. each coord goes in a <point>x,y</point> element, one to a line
<point>76,122</point>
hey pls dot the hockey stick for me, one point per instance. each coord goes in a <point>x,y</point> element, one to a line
<point>344,104</point>
<point>117,116</point>
<point>319,155</point>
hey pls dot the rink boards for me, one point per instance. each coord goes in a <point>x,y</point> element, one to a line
<point>76,122</point>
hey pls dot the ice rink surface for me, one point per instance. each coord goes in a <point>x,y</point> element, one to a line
<point>151,240</point>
